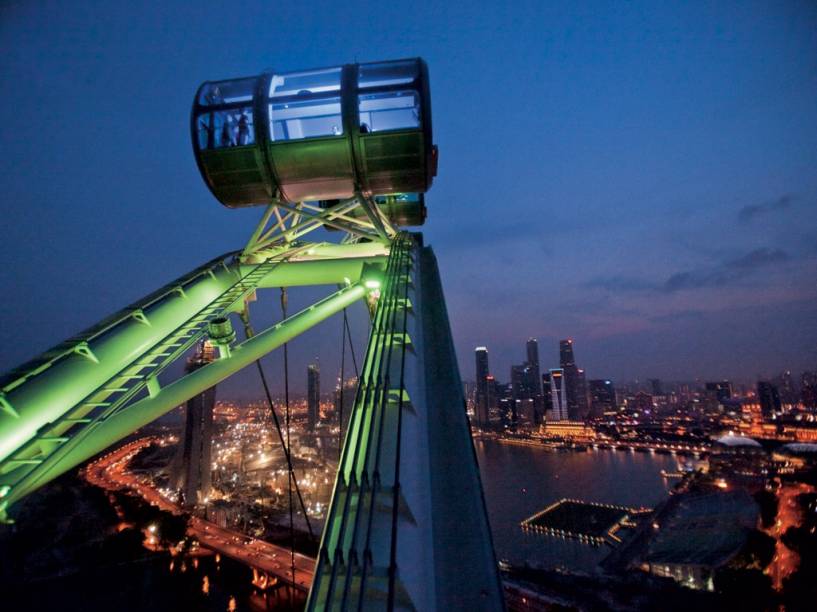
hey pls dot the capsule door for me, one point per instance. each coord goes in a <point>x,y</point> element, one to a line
<point>395,134</point>
<point>227,145</point>
<point>308,143</point>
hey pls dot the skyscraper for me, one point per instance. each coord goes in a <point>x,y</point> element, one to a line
<point>519,391</point>
<point>602,396</point>
<point>534,381</point>
<point>574,378</point>
<point>787,389</point>
<point>191,472</point>
<point>344,403</point>
<point>768,397</point>
<point>719,390</point>
<point>582,399</point>
<point>808,389</point>
<point>313,395</point>
<point>532,348</point>
<point>482,404</point>
<point>555,400</point>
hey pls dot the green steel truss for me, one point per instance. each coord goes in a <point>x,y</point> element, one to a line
<point>350,565</point>
<point>407,526</point>
<point>54,406</point>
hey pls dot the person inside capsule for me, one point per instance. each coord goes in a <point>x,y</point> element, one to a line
<point>226,131</point>
<point>243,129</point>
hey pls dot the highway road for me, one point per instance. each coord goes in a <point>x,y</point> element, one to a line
<point>110,472</point>
<point>785,560</point>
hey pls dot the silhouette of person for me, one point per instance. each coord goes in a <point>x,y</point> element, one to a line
<point>226,134</point>
<point>243,129</point>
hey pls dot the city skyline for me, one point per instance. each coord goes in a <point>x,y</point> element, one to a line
<point>553,361</point>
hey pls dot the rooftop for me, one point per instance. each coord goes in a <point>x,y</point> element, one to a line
<point>704,529</point>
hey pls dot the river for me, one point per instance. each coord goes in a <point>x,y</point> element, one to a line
<point>521,480</point>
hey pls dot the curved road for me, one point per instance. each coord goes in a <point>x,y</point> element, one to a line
<point>110,472</point>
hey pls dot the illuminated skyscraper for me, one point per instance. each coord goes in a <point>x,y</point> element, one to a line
<point>313,395</point>
<point>344,403</point>
<point>787,389</point>
<point>575,384</point>
<point>719,390</point>
<point>768,397</point>
<point>555,397</point>
<point>191,472</point>
<point>482,405</point>
<point>533,361</point>
<point>535,378</point>
<point>808,389</point>
<point>603,397</point>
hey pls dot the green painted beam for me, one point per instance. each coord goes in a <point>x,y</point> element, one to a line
<point>35,397</point>
<point>109,431</point>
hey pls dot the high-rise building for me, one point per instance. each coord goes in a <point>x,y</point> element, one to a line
<point>642,403</point>
<point>555,397</point>
<point>519,390</point>
<point>525,393</point>
<point>582,398</point>
<point>787,389</point>
<point>602,397</point>
<point>191,471</point>
<point>344,403</point>
<point>808,389</point>
<point>313,395</point>
<point>657,387</point>
<point>768,398</point>
<point>482,405</point>
<point>720,390</point>
<point>574,382</point>
<point>532,349</point>
<point>490,388</point>
<point>534,379</point>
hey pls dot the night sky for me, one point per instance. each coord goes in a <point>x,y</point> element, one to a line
<point>641,177</point>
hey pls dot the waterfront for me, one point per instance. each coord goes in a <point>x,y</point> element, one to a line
<point>521,480</point>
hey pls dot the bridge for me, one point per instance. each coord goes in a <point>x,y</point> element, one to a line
<point>347,149</point>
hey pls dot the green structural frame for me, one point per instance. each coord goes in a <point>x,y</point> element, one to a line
<point>407,526</point>
<point>74,400</point>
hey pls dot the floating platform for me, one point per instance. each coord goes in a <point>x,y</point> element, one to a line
<point>589,522</point>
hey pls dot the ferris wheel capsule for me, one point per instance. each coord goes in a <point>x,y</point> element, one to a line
<point>322,134</point>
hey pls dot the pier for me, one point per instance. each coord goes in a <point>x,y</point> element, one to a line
<point>589,522</point>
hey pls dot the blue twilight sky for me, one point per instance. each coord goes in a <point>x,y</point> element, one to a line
<point>640,176</point>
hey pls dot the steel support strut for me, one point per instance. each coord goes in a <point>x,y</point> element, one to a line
<point>74,391</point>
<point>407,527</point>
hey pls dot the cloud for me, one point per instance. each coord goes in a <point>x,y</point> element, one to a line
<point>759,258</point>
<point>749,212</point>
<point>620,283</point>
<point>725,273</point>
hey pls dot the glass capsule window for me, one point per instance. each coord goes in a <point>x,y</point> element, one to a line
<point>227,92</point>
<point>305,83</point>
<point>307,119</point>
<point>226,128</point>
<point>305,105</point>
<point>387,74</point>
<point>410,198</point>
<point>390,110</point>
